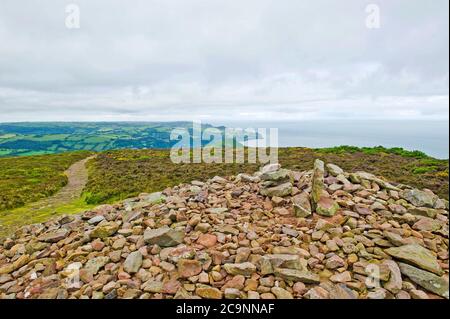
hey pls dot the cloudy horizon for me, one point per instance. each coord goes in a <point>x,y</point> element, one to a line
<point>223,60</point>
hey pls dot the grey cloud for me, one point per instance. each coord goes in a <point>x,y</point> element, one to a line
<point>186,59</point>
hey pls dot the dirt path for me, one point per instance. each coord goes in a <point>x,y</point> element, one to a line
<point>66,200</point>
<point>77,176</point>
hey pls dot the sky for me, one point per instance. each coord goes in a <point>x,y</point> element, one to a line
<point>161,60</point>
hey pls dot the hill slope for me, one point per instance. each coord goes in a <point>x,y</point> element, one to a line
<point>277,233</point>
<point>120,174</point>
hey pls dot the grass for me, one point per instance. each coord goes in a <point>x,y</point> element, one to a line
<point>26,215</point>
<point>27,179</point>
<point>116,175</point>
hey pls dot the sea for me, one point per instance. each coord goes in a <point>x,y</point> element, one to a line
<point>430,137</point>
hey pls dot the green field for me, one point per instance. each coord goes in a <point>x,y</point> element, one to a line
<point>25,139</point>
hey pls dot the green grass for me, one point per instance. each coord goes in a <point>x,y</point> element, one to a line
<point>27,179</point>
<point>374,150</point>
<point>116,175</point>
<point>12,219</point>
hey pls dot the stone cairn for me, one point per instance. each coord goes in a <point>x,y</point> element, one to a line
<point>283,234</point>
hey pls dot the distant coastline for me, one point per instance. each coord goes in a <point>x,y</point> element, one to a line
<point>34,138</point>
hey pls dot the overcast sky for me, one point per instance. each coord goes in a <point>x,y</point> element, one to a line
<point>223,59</point>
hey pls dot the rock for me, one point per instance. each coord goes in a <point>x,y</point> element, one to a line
<point>269,263</point>
<point>290,232</point>
<point>279,190</point>
<point>270,168</point>
<point>317,293</point>
<point>207,240</point>
<point>202,227</point>
<point>95,220</point>
<point>416,255</point>
<point>418,294</point>
<point>104,230</point>
<point>340,291</point>
<point>394,284</point>
<point>54,236</point>
<point>95,264</point>
<point>153,286</point>
<point>245,269</point>
<point>297,275</point>
<point>378,293</point>
<point>281,293</point>
<point>334,169</point>
<point>133,262</point>
<point>232,293</point>
<point>425,279</point>
<point>418,198</point>
<point>208,292</point>
<point>278,176</point>
<point>423,211</point>
<point>335,262</point>
<point>327,206</point>
<point>248,178</point>
<point>253,295</point>
<point>302,205</point>
<point>341,277</point>
<point>318,186</point>
<point>188,268</point>
<point>163,237</point>
<point>427,224</point>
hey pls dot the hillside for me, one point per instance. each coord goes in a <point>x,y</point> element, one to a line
<point>119,174</point>
<point>274,234</point>
<point>21,139</point>
<point>32,186</point>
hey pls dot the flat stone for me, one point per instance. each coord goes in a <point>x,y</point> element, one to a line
<point>427,224</point>
<point>416,255</point>
<point>54,236</point>
<point>298,275</point>
<point>163,237</point>
<point>279,190</point>
<point>427,280</point>
<point>245,269</point>
<point>95,220</point>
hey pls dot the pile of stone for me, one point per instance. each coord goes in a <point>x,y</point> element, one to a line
<point>318,234</point>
